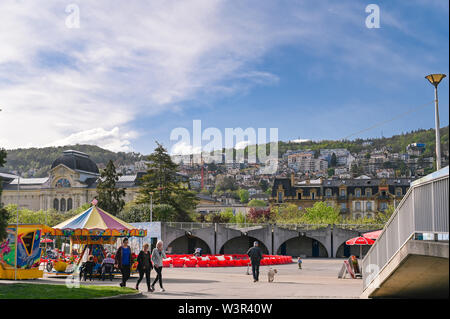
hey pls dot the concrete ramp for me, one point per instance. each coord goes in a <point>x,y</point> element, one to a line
<point>418,270</point>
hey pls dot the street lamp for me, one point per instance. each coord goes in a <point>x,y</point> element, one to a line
<point>435,79</point>
<point>151,207</point>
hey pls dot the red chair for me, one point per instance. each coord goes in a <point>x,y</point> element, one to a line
<point>166,263</point>
<point>213,263</point>
<point>203,263</point>
<point>191,263</point>
<point>178,263</point>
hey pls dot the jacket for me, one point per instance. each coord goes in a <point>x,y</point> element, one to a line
<point>157,257</point>
<point>255,254</point>
<point>118,257</point>
<point>141,260</point>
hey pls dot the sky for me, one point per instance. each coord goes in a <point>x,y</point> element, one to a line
<point>124,74</point>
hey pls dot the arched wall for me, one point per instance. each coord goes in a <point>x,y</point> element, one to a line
<point>240,245</point>
<point>303,246</point>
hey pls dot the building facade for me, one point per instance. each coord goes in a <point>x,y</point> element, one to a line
<point>72,182</point>
<point>356,198</point>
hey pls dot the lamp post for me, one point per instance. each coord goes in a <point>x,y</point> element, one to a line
<point>17,226</point>
<point>151,207</point>
<point>435,79</point>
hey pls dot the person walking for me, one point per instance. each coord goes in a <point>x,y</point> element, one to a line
<point>299,261</point>
<point>144,267</point>
<point>255,255</point>
<point>123,261</point>
<point>158,255</point>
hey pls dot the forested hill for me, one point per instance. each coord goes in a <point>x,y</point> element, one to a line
<point>41,159</point>
<point>396,143</point>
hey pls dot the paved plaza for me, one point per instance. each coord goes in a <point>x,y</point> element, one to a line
<point>317,279</point>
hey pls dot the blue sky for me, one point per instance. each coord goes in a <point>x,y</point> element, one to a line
<point>131,73</point>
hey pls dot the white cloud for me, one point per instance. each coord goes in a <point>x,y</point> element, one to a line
<point>300,140</point>
<point>112,140</point>
<point>183,148</point>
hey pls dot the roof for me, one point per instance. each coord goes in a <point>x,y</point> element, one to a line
<point>29,181</point>
<point>77,161</point>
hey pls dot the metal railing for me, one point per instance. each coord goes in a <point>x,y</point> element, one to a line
<point>247,226</point>
<point>423,210</point>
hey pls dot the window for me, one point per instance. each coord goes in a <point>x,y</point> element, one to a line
<point>343,205</point>
<point>69,204</point>
<point>398,192</point>
<point>342,192</point>
<point>280,197</point>
<point>313,196</point>
<point>358,192</point>
<point>28,242</point>
<point>358,206</point>
<point>299,195</point>
<point>56,204</point>
<point>383,206</point>
<point>328,192</point>
<point>63,205</point>
<point>369,206</point>
<point>368,192</point>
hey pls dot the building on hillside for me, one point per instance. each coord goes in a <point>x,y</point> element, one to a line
<point>415,149</point>
<point>306,163</point>
<point>355,197</point>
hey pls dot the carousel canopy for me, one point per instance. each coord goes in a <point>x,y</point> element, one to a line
<point>96,222</point>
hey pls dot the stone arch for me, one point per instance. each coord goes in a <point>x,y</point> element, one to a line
<point>56,204</point>
<point>302,246</point>
<point>241,244</point>
<point>186,244</point>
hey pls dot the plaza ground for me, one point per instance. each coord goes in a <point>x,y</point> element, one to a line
<point>317,279</point>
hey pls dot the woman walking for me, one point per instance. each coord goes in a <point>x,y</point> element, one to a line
<point>158,255</point>
<point>144,267</point>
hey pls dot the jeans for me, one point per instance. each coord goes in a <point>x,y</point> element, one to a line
<point>158,276</point>
<point>125,269</point>
<point>255,270</point>
<point>143,271</point>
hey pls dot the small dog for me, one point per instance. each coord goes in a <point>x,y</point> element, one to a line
<point>271,274</point>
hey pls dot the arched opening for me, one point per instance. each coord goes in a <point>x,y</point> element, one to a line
<point>345,251</point>
<point>69,204</point>
<point>62,205</point>
<point>302,246</point>
<point>240,245</point>
<point>187,244</point>
<point>56,204</point>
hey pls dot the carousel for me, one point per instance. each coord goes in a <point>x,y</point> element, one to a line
<point>91,231</point>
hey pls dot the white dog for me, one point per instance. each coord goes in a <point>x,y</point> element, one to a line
<point>271,274</point>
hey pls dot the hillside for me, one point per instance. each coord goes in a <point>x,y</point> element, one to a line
<point>396,143</point>
<point>41,159</point>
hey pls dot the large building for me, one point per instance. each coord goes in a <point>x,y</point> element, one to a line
<point>355,197</point>
<point>72,182</point>
<point>306,163</point>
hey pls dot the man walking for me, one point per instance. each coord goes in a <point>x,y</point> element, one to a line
<point>123,261</point>
<point>255,255</point>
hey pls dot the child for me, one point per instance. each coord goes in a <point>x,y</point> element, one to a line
<point>89,268</point>
<point>299,263</point>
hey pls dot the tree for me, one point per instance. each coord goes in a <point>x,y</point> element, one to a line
<point>260,215</point>
<point>244,195</point>
<point>225,183</point>
<point>264,185</point>
<point>333,160</point>
<point>257,203</point>
<point>331,171</point>
<point>321,213</point>
<point>110,197</point>
<point>4,215</point>
<point>162,181</point>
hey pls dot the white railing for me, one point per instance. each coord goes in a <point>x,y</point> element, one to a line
<point>422,212</point>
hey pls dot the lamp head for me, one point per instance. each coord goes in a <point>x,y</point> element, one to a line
<point>435,79</point>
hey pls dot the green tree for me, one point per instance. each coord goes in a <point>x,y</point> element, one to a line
<point>244,196</point>
<point>4,215</point>
<point>321,213</point>
<point>162,181</point>
<point>110,197</point>
<point>226,183</point>
<point>257,203</point>
<point>264,185</point>
<point>333,160</point>
<point>331,171</point>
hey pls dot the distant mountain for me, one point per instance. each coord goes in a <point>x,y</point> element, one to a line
<point>36,162</point>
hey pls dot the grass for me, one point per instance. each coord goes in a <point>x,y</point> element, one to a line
<point>44,291</point>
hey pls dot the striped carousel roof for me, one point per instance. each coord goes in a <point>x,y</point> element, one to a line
<point>94,218</point>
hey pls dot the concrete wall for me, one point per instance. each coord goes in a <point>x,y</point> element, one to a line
<point>219,238</point>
